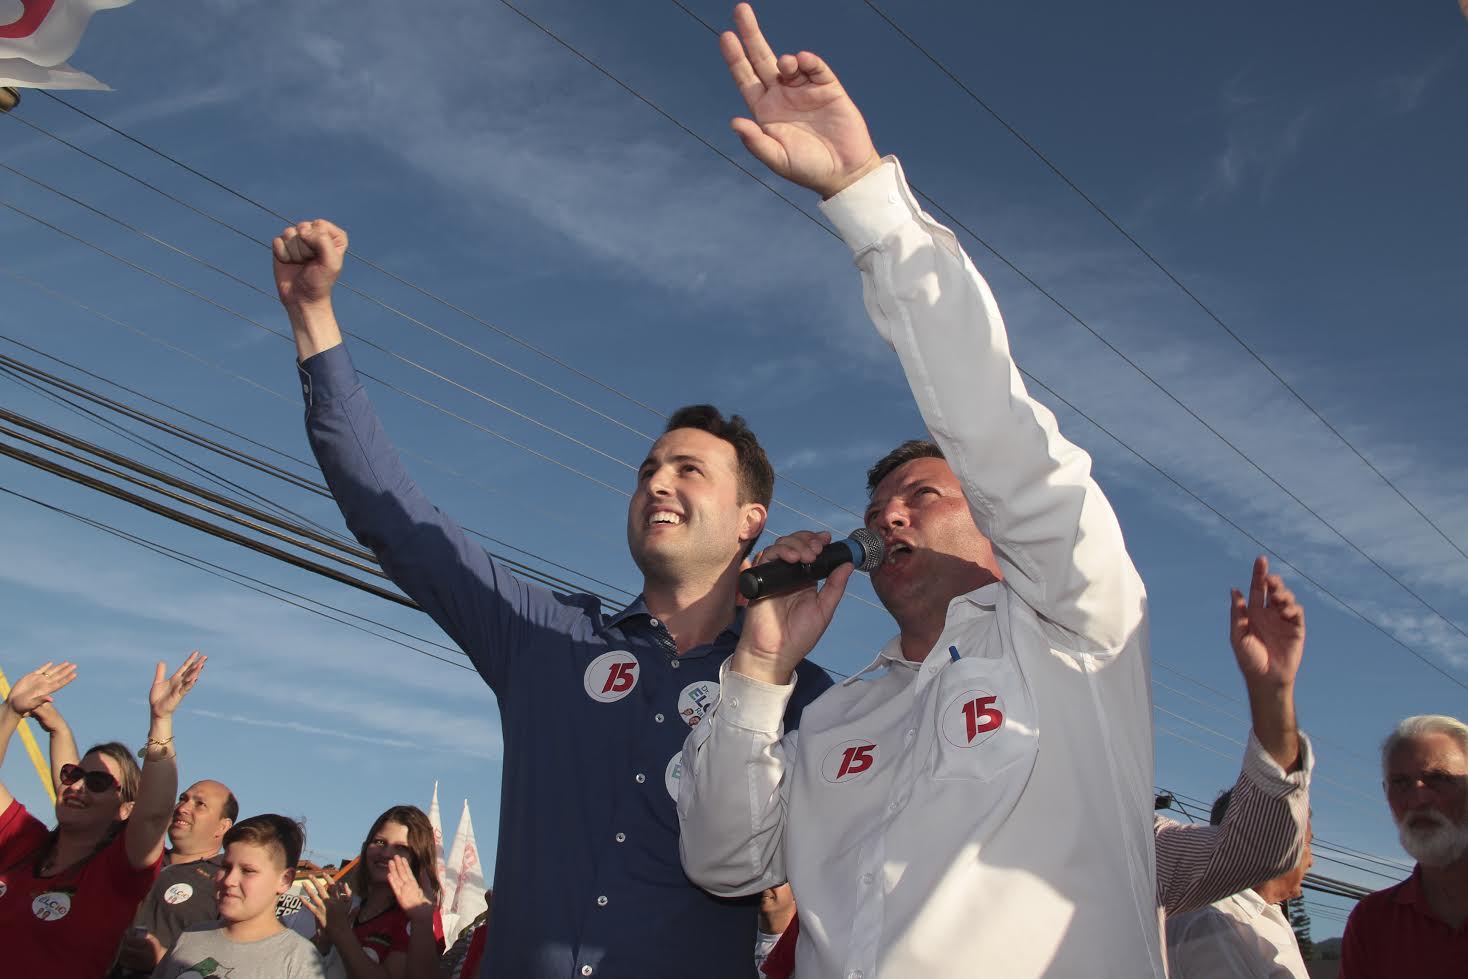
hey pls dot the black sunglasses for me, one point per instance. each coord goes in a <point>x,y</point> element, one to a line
<point>95,781</point>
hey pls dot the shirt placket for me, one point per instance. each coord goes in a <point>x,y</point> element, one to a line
<point>599,924</point>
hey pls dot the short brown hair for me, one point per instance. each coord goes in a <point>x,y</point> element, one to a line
<point>272,832</point>
<point>756,476</point>
<point>901,456</point>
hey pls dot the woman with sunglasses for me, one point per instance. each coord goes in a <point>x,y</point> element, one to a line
<point>383,918</point>
<point>67,895</point>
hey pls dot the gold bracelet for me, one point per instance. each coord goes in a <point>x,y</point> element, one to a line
<point>143,751</point>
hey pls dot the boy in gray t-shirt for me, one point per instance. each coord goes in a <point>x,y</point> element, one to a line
<point>248,942</point>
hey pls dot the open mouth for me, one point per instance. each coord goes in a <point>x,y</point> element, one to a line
<point>898,551</point>
<point>664,518</point>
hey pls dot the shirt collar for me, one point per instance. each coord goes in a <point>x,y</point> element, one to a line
<point>984,598</point>
<point>1409,891</point>
<point>638,610</point>
<point>1249,901</point>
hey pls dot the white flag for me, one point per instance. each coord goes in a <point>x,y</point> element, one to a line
<point>37,36</point>
<point>465,890</point>
<point>436,821</point>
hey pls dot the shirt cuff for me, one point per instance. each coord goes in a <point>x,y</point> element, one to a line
<point>1266,773</point>
<point>873,207</point>
<point>328,376</point>
<point>753,704</point>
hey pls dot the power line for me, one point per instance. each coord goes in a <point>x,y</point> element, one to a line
<point>1157,263</point>
<point>357,256</point>
<point>221,572</point>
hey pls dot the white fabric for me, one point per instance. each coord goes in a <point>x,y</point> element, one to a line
<point>1240,937</point>
<point>55,37</point>
<point>1026,851</point>
<point>20,73</point>
<point>464,886</point>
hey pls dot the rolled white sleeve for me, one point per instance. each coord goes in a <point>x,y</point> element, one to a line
<point>733,793</point>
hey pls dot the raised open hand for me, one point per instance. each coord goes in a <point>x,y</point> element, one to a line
<point>805,127</point>
<point>330,902</point>
<point>167,692</point>
<point>34,690</point>
<point>414,894</point>
<point>1268,630</point>
<point>308,260</point>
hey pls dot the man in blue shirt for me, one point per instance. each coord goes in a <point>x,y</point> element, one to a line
<point>594,706</point>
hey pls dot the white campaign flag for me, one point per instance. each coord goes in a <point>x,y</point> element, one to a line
<point>436,821</point>
<point>464,891</point>
<point>37,36</point>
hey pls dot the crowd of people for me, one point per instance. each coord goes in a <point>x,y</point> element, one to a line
<point>976,801</point>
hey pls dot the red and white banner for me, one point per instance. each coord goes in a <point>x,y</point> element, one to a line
<point>37,36</point>
<point>435,819</point>
<point>464,889</point>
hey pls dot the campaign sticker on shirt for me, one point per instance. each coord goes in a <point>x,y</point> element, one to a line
<point>611,676</point>
<point>178,893</point>
<point>51,906</point>
<point>848,761</point>
<point>371,953</point>
<point>696,700</point>
<point>674,773</point>
<point>971,718</point>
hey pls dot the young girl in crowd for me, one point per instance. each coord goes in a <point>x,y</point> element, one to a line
<point>248,941</point>
<point>382,920</point>
<point>67,895</point>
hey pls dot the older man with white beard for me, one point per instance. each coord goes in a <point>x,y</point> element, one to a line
<point>1417,927</point>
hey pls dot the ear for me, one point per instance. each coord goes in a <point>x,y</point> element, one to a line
<point>752,519</point>
<point>287,878</point>
<point>225,825</point>
<point>125,810</point>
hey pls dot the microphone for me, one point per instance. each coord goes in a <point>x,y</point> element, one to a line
<point>863,549</point>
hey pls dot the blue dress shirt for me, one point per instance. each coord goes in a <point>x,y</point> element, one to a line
<point>594,709</point>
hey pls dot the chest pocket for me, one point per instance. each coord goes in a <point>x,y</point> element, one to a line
<point>984,723</point>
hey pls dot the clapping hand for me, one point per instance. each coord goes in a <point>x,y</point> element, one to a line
<point>414,894</point>
<point>34,690</point>
<point>167,692</point>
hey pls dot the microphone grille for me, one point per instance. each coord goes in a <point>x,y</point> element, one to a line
<point>872,548</point>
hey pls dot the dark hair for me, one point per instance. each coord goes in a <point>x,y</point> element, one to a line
<point>901,456</point>
<point>1220,807</point>
<point>130,776</point>
<point>231,806</point>
<point>756,476</point>
<point>423,852</point>
<point>272,832</point>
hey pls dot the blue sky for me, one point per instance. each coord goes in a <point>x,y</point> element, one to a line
<point>1300,171</point>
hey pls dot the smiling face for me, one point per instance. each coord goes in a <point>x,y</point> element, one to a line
<point>390,840</point>
<point>80,809</point>
<point>1427,789</point>
<point>935,552</point>
<point>251,878</point>
<point>686,521</point>
<point>199,822</point>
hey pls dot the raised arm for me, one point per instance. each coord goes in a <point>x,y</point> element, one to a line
<point>147,827</point>
<point>1030,489</point>
<point>30,692</point>
<point>1266,824</point>
<point>63,743</point>
<point>426,553</point>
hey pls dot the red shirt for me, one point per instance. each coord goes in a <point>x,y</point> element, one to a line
<point>387,933</point>
<point>70,924</point>
<point>1393,934</point>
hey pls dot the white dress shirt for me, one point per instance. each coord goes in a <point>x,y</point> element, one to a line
<point>1240,937</point>
<point>987,812</point>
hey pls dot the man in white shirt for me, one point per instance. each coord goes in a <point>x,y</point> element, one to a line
<point>978,801</point>
<point>1243,936</point>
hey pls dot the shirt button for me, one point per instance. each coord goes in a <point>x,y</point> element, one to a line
<point>890,808</point>
<point>586,970</point>
<point>867,879</point>
<point>643,778</point>
<point>621,837</point>
<point>658,718</point>
<point>911,733</point>
<point>677,663</point>
<point>654,623</point>
<point>601,901</point>
<point>855,974</point>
